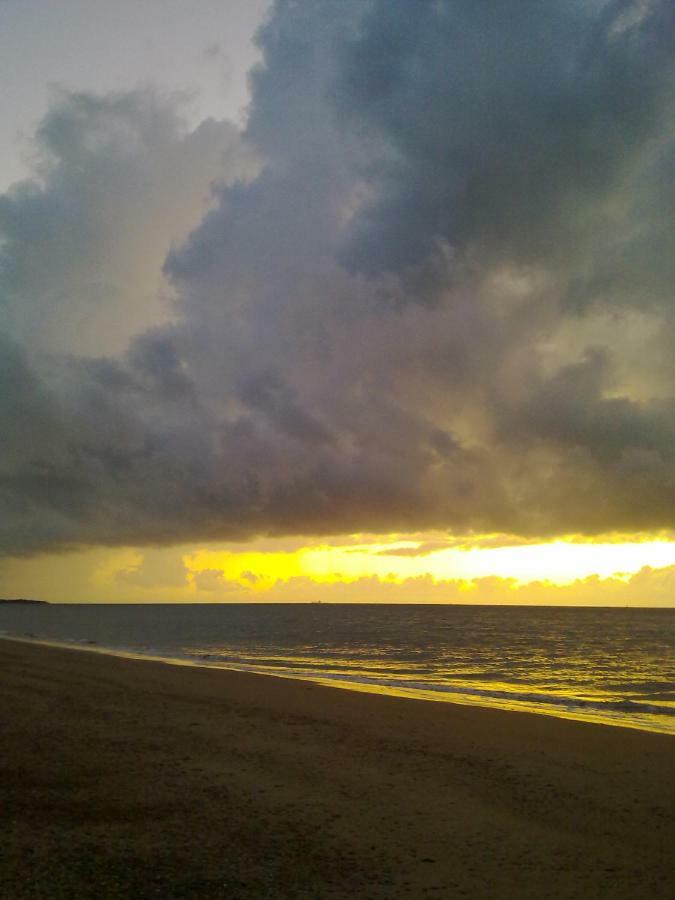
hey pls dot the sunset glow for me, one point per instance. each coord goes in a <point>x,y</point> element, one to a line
<point>363,568</point>
<point>337,345</point>
<point>387,316</point>
<point>558,562</point>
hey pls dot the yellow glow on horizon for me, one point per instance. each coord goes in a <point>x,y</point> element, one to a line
<point>563,562</point>
<point>399,559</point>
<point>422,567</point>
<point>257,569</point>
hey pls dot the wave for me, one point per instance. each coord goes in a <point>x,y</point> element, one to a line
<point>617,711</point>
<point>504,682</point>
<point>522,697</point>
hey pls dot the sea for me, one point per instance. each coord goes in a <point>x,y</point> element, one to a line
<point>614,666</point>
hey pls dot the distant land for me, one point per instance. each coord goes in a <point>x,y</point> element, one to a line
<point>23,600</point>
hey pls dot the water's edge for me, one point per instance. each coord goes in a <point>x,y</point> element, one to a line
<point>445,695</point>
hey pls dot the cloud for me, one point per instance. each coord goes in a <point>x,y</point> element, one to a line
<point>250,577</point>
<point>508,132</point>
<point>214,581</point>
<point>156,568</point>
<point>116,180</point>
<point>213,50</point>
<point>649,588</point>
<point>429,288</point>
<point>422,549</point>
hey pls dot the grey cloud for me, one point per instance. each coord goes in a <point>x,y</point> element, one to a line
<point>459,542</point>
<point>423,549</point>
<point>410,316</point>
<point>570,409</point>
<point>116,180</point>
<point>213,50</point>
<point>214,581</point>
<point>268,396</point>
<point>509,129</point>
<point>155,569</point>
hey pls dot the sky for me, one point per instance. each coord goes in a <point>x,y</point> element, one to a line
<point>368,301</point>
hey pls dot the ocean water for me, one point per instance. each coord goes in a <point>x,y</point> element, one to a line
<point>610,665</point>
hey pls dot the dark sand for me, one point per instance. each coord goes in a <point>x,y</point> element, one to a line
<point>125,778</point>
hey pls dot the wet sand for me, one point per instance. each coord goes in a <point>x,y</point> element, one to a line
<point>135,779</point>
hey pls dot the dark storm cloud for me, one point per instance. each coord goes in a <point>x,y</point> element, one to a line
<point>503,126</point>
<point>443,300</point>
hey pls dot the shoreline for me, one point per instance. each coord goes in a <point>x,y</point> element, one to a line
<point>376,689</point>
<point>125,777</point>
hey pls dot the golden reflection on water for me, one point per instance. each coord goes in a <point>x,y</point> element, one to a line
<point>609,665</point>
<point>657,724</point>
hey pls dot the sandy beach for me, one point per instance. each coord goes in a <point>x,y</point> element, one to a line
<point>129,778</point>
